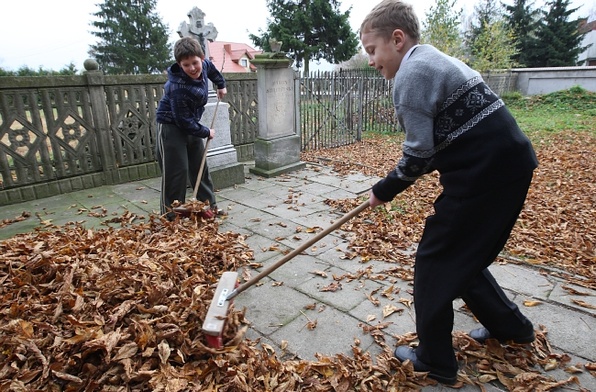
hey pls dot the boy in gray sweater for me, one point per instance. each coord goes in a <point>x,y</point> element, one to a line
<point>456,125</point>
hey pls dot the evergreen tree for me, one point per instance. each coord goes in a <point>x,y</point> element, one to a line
<point>489,39</point>
<point>523,21</point>
<point>25,70</point>
<point>558,39</point>
<point>493,49</point>
<point>441,28</point>
<point>133,39</point>
<point>309,30</point>
<point>69,69</point>
<point>486,12</point>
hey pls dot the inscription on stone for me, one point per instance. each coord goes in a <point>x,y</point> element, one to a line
<point>280,104</point>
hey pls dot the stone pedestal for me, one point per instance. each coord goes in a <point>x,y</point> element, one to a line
<point>222,157</point>
<point>277,147</point>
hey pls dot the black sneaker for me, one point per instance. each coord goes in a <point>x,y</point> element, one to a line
<point>404,353</point>
<point>482,334</point>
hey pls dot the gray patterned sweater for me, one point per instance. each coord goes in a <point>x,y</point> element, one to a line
<point>455,124</point>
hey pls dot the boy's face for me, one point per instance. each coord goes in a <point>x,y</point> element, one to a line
<point>192,66</point>
<point>384,54</point>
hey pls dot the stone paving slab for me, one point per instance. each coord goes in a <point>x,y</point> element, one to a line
<point>274,215</point>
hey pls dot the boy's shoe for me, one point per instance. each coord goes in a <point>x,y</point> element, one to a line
<point>404,353</point>
<point>482,334</point>
<point>218,211</point>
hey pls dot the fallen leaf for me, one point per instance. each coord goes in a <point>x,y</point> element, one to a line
<point>389,309</point>
<point>583,303</point>
<point>333,287</point>
<point>529,303</point>
<point>320,273</point>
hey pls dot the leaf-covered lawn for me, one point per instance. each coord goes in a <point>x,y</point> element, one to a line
<point>122,309</point>
<point>556,229</point>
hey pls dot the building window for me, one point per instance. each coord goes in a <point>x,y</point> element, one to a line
<point>244,62</point>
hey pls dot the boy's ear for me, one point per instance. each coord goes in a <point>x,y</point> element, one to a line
<point>399,38</point>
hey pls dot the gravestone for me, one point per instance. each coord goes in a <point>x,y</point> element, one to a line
<point>222,157</point>
<point>198,29</point>
<point>277,147</point>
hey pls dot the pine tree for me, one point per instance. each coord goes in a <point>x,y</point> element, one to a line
<point>133,39</point>
<point>523,21</point>
<point>558,39</point>
<point>486,12</point>
<point>309,30</point>
<point>441,28</point>
<point>492,49</point>
<point>489,40</point>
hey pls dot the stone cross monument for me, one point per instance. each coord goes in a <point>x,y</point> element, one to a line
<point>198,29</point>
<point>222,157</point>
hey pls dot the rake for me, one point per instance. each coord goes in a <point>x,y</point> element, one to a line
<point>228,288</point>
<point>184,211</point>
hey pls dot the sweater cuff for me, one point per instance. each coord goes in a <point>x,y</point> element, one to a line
<point>390,186</point>
<point>203,131</point>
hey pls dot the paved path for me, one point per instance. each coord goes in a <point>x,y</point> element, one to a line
<point>268,211</point>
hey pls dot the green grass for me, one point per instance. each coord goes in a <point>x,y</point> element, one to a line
<point>540,115</point>
<point>561,111</point>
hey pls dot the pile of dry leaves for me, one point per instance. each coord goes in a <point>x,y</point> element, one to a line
<point>555,230</point>
<point>121,309</point>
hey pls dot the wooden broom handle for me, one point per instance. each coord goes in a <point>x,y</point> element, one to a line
<point>349,215</point>
<point>204,159</point>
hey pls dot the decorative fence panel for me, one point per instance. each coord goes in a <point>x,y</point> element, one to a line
<point>65,133</point>
<point>131,112</point>
<point>244,112</point>
<point>69,132</point>
<point>46,133</point>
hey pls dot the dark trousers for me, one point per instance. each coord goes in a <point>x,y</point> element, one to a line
<point>459,242</point>
<point>179,156</point>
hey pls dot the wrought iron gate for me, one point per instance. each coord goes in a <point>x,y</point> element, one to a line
<point>336,107</point>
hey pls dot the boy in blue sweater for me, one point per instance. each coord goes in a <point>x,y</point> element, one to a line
<point>179,145</point>
<point>456,125</point>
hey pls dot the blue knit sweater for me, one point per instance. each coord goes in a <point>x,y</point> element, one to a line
<point>184,99</point>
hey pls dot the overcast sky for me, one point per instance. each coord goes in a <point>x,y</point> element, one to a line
<point>52,34</point>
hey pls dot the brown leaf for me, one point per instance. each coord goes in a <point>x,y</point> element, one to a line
<point>583,303</point>
<point>332,287</point>
<point>319,273</point>
<point>574,291</point>
<point>389,309</point>
<point>530,303</point>
<point>126,351</point>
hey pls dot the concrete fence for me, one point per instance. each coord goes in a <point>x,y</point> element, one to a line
<point>534,81</point>
<point>64,133</point>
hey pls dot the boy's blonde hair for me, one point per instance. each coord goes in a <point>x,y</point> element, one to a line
<point>389,15</point>
<point>187,47</point>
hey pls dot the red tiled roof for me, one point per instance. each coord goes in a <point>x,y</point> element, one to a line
<point>226,55</point>
<point>586,27</point>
